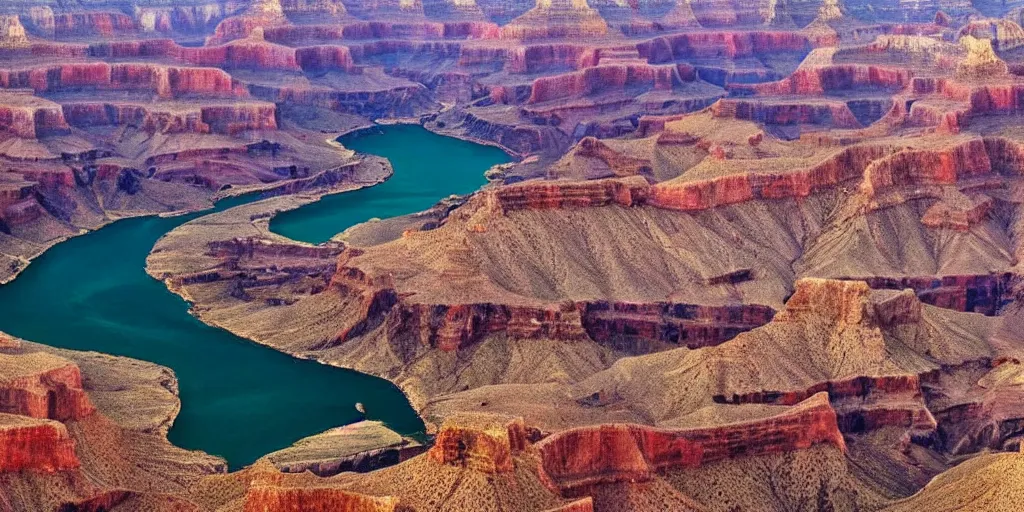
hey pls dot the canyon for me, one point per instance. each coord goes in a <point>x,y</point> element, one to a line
<point>695,255</point>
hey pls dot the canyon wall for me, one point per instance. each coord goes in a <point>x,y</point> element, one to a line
<point>586,456</point>
<point>42,446</point>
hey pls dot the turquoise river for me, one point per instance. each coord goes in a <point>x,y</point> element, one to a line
<point>240,400</point>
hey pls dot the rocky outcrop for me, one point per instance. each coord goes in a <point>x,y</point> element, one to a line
<point>620,165</point>
<point>561,19</point>
<point>1004,34</point>
<point>325,58</point>
<point>480,443</point>
<point>12,32</point>
<point>927,167</point>
<point>363,446</point>
<point>28,117</point>
<point>981,60</point>
<point>34,445</point>
<point>512,134</point>
<point>456,326</point>
<point>271,498</point>
<point>40,385</point>
<point>182,18</point>
<point>586,456</point>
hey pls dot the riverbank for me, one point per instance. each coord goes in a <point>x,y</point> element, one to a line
<point>239,400</point>
<point>110,307</point>
<point>210,203</point>
<point>430,168</point>
<point>248,244</point>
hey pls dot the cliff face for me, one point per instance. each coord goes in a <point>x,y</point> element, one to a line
<point>75,427</point>
<point>100,24</point>
<point>35,446</point>
<point>587,456</point>
<point>165,81</point>
<point>819,80</point>
<point>225,119</point>
<point>42,386</point>
<point>604,78</point>
<point>719,44</point>
<point>28,117</point>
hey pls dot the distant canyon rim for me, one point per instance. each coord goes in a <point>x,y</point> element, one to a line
<point>744,256</point>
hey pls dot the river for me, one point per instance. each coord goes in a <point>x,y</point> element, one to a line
<point>240,400</point>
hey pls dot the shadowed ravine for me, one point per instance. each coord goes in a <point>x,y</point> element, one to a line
<point>240,400</point>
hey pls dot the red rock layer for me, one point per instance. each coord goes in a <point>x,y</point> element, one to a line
<point>818,80</point>
<point>239,27</point>
<point>227,119</point>
<point>370,30</point>
<point>11,194</point>
<point>56,394</point>
<point>36,446</point>
<point>103,24</point>
<point>857,392</point>
<point>979,294</point>
<point>165,81</point>
<point>846,165</point>
<point>928,167</point>
<point>830,113</point>
<point>324,58</point>
<point>552,195</point>
<point>547,57</point>
<point>584,456</point>
<point>721,44</point>
<point>31,122</point>
<point>271,498</point>
<point>613,77</point>
<point>245,54</point>
<point>639,328</point>
<point>451,327</point>
<point>365,50</point>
